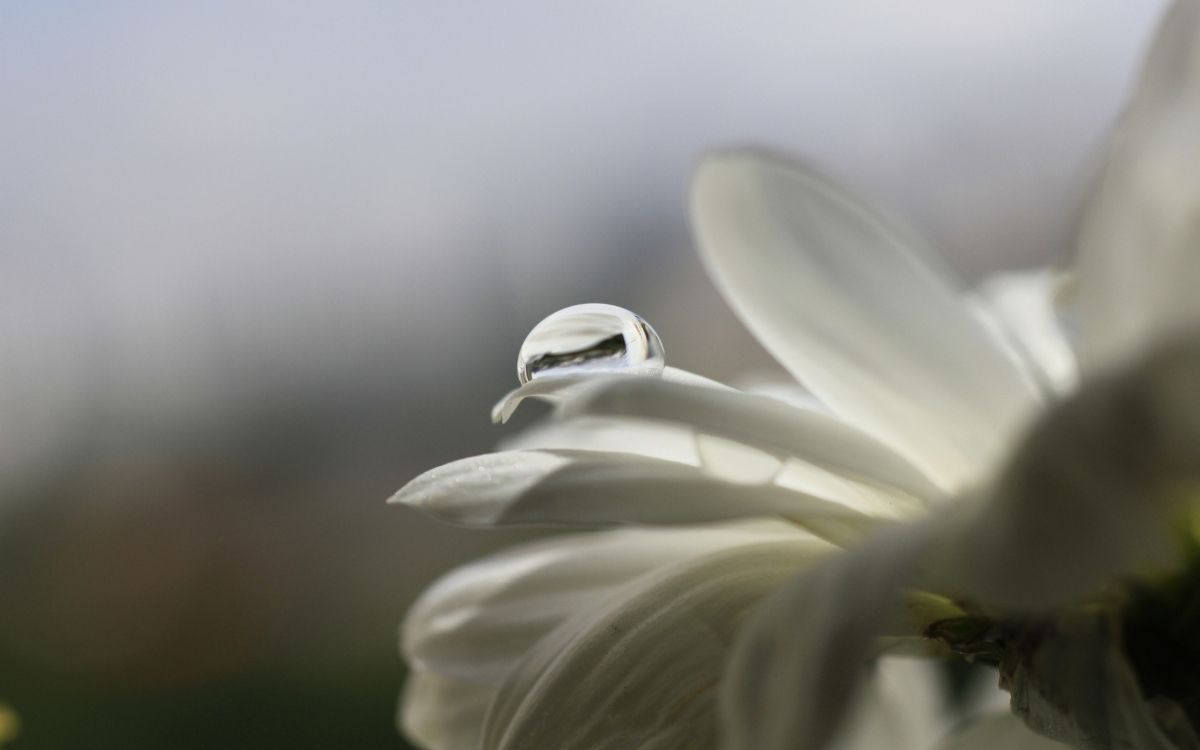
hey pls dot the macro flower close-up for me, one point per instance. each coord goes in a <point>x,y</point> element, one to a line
<point>632,375</point>
<point>1005,476</point>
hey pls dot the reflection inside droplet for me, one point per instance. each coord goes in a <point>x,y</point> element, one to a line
<point>590,338</point>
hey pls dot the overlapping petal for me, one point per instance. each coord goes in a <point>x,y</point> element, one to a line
<point>642,672</point>
<point>642,437</point>
<point>477,622</point>
<point>858,312</point>
<point>598,488</point>
<point>760,422</point>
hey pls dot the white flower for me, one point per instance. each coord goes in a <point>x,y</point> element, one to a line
<point>1012,473</point>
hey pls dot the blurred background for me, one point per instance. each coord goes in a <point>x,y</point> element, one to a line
<point>263,262</point>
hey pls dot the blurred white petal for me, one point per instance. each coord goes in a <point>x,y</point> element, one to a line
<point>475,623</point>
<point>643,671</point>
<point>441,713</point>
<point>902,707</point>
<point>1139,241</point>
<point>757,421</point>
<point>1024,308</point>
<point>599,488</point>
<point>1095,493</point>
<point>858,312</point>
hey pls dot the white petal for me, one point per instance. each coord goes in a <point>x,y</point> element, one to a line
<point>737,462</point>
<point>857,311</point>
<point>597,488</point>
<point>1139,241</point>
<point>792,394</point>
<point>549,389</point>
<point>872,499</point>
<point>440,713</point>
<point>641,673</point>
<point>478,621</point>
<point>809,641</point>
<point>554,388</point>
<point>638,436</point>
<point>1024,308</point>
<point>760,422</point>
<point>998,731</point>
<point>468,490</point>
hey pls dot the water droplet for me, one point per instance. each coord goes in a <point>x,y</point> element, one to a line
<point>590,338</point>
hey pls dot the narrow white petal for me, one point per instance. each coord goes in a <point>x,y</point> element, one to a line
<point>1139,241</point>
<point>548,389</point>
<point>757,421</point>
<point>475,489</point>
<point>643,672</point>
<point>555,388</point>
<point>642,437</point>
<point>998,731</point>
<point>478,621</point>
<point>870,498</point>
<point>858,312</point>
<point>736,461</point>
<point>441,713</point>
<point>595,488</point>
<point>790,393</point>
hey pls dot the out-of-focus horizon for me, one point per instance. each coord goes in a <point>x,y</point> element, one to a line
<point>261,263</point>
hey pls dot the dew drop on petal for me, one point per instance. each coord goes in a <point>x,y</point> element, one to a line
<point>590,338</point>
